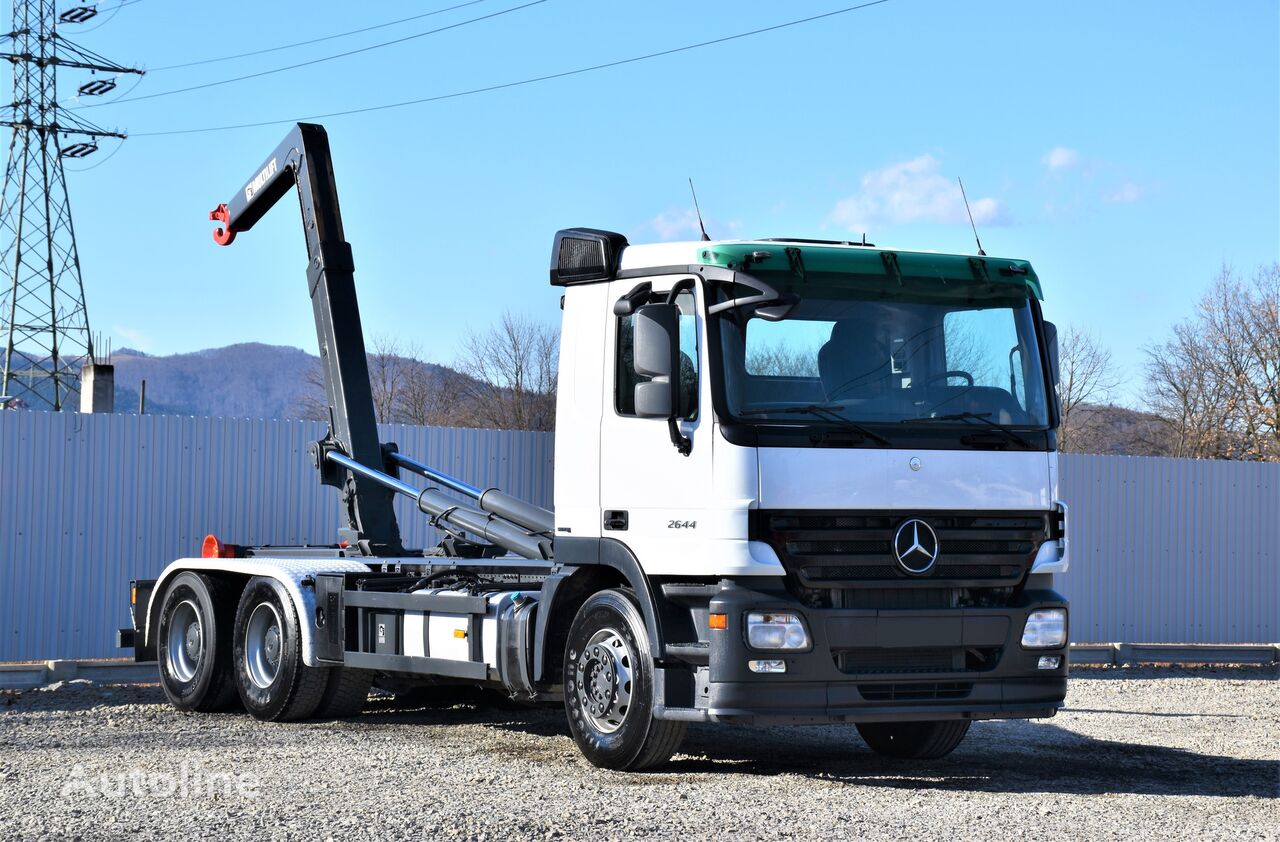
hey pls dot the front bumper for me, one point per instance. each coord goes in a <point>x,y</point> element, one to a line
<point>828,683</point>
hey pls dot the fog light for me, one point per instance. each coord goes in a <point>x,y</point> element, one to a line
<point>1049,662</point>
<point>767,666</point>
<point>776,631</point>
<point>1046,628</point>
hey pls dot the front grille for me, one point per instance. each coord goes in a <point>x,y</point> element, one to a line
<point>843,550</point>
<point>936,691</point>
<point>916,660</point>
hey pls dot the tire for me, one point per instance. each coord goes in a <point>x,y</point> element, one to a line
<point>608,687</point>
<point>274,684</point>
<point>345,693</point>
<point>194,642</point>
<point>914,740</point>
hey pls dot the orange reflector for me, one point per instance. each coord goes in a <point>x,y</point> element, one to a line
<point>133,595</point>
<point>213,548</point>
<point>718,621</point>
<point>459,632</point>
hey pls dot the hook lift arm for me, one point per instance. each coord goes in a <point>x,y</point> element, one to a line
<point>303,160</point>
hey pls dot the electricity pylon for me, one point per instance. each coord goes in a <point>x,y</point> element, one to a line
<point>43,316</point>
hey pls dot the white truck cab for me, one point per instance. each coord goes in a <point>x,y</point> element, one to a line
<point>862,447</point>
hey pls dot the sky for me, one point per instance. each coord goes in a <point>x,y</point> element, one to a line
<point>1128,150</point>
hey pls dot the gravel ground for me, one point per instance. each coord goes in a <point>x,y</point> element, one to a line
<point>1157,753</point>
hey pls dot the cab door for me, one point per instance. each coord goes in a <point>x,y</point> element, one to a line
<point>654,499</point>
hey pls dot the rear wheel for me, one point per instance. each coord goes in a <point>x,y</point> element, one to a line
<point>914,740</point>
<point>608,687</point>
<point>273,681</point>
<point>345,693</point>
<point>194,641</point>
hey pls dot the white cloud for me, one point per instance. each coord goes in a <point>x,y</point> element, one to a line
<point>133,338</point>
<point>676,225</point>
<point>1124,194</point>
<point>912,191</point>
<point>1061,158</point>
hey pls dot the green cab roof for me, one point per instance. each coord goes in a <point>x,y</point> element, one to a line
<point>824,259</point>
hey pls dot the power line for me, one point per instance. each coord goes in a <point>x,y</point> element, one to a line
<point>522,82</point>
<point>114,10</point>
<point>108,157</point>
<point>314,40</point>
<point>322,59</point>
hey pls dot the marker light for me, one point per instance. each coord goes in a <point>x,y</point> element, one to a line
<point>767,666</point>
<point>1046,628</point>
<point>1049,662</point>
<point>776,631</point>
<point>213,548</point>
<point>718,621</point>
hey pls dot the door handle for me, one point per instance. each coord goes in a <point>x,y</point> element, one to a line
<point>615,520</point>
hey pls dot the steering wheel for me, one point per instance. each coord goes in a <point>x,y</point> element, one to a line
<point>947,375</point>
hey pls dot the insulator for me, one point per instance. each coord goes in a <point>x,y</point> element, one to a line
<point>79,150</point>
<point>78,14</point>
<point>96,87</point>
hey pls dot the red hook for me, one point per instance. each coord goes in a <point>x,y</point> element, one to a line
<point>224,235</point>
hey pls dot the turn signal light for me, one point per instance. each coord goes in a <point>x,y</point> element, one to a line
<point>718,621</point>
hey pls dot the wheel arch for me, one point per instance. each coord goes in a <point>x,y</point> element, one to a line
<point>289,573</point>
<point>590,566</point>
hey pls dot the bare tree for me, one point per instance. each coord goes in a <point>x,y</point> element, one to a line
<point>406,388</point>
<point>1216,383</point>
<point>1087,378</point>
<point>310,402</point>
<point>509,375</point>
<point>430,395</point>
<point>389,369</point>
<point>782,359</point>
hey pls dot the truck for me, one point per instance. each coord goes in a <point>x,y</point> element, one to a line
<point>796,481</point>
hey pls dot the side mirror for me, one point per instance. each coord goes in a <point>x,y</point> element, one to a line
<point>655,352</point>
<point>1051,342</point>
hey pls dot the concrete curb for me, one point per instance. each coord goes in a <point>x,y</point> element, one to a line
<point>31,676</point>
<point>1117,654</point>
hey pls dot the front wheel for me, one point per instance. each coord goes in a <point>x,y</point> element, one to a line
<point>273,681</point>
<point>914,740</point>
<point>608,687</point>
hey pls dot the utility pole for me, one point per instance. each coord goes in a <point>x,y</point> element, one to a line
<point>43,316</point>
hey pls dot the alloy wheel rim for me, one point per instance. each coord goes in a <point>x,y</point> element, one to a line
<point>186,641</point>
<point>604,680</point>
<point>262,645</point>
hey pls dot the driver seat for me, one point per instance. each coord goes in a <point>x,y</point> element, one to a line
<point>853,364</point>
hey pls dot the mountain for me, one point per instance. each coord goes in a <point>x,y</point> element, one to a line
<point>249,380</point>
<point>1116,430</point>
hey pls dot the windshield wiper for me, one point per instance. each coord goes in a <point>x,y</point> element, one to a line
<point>984,417</point>
<point>827,412</point>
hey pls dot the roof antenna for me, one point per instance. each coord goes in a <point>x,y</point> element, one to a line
<point>698,211</point>
<point>981,253</point>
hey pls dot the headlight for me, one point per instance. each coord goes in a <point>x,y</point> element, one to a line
<point>1046,628</point>
<point>776,631</point>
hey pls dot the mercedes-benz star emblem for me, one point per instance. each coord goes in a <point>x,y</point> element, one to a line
<point>915,464</point>
<point>915,546</point>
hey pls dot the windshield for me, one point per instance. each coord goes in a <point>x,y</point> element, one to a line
<point>896,353</point>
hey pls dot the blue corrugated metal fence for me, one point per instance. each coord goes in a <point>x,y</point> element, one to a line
<point>88,502</point>
<point>1163,550</point>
